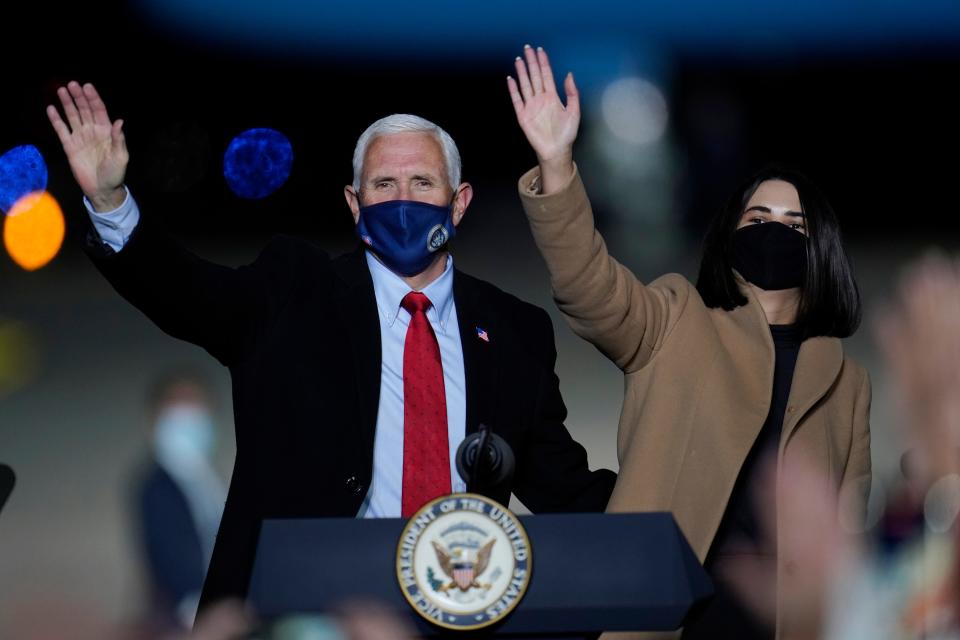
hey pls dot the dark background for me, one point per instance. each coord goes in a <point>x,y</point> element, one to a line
<point>875,128</point>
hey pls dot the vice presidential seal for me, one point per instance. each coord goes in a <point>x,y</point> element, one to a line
<point>437,237</point>
<point>463,561</point>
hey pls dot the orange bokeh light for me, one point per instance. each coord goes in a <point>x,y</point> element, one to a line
<point>34,229</point>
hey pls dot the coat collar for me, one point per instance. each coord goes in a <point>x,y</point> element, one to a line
<point>818,363</point>
<point>746,391</point>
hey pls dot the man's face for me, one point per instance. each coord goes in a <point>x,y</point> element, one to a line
<point>406,166</point>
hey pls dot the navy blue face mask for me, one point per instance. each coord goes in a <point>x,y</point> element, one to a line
<point>405,234</point>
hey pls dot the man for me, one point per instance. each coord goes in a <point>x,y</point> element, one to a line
<point>355,378</point>
<point>178,496</point>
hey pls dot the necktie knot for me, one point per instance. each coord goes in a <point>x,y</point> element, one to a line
<point>415,302</point>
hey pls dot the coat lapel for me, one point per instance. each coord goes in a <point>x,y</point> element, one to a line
<point>818,366</point>
<point>475,314</point>
<point>356,305</point>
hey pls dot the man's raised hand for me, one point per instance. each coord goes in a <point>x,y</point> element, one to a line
<point>95,147</point>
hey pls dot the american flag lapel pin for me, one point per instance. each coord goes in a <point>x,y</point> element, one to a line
<point>483,335</point>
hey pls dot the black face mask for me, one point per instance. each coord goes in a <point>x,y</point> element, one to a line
<point>770,255</point>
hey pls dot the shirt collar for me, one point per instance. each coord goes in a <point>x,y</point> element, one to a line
<point>389,289</point>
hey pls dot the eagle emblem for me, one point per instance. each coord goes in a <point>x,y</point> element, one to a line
<point>462,567</point>
<point>479,568</point>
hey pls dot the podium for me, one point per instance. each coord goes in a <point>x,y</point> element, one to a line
<point>590,572</point>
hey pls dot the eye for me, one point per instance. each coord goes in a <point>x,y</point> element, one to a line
<point>756,220</point>
<point>383,184</point>
<point>423,184</point>
<point>798,226</point>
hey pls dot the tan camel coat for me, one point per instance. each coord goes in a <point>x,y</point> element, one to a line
<point>698,381</point>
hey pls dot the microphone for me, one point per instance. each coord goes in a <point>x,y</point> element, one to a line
<point>485,460</point>
<point>7,480</point>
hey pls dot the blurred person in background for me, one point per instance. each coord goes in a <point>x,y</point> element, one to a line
<point>747,362</point>
<point>179,495</point>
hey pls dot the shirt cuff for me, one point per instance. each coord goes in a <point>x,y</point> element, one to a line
<point>115,227</point>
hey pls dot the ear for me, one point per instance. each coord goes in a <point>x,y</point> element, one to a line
<point>353,201</point>
<point>461,200</point>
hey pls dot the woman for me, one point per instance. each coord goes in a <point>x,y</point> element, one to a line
<point>747,362</point>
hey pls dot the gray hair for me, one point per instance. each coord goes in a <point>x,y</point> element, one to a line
<point>406,123</point>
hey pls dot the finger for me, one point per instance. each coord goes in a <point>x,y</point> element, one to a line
<point>515,95</point>
<point>536,81</point>
<point>63,131</point>
<point>73,117</point>
<point>764,497</point>
<point>573,95</point>
<point>117,139</point>
<point>523,78</point>
<point>99,109</point>
<point>83,107</point>
<point>549,84</point>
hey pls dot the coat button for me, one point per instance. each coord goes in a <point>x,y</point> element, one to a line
<point>353,485</point>
<point>790,409</point>
<point>791,567</point>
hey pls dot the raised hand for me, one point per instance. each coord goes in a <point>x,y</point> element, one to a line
<point>550,127</point>
<point>918,336</point>
<point>95,147</point>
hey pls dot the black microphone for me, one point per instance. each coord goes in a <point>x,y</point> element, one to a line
<point>485,460</point>
<point>7,480</point>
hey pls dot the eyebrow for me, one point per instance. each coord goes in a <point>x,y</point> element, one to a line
<point>425,176</point>
<point>792,214</point>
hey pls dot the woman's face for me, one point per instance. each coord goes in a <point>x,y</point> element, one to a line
<point>774,201</point>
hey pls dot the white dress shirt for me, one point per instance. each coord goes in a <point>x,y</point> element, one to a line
<point>384,497</point>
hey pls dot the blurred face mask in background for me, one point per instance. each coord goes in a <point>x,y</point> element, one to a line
<point>184,434</point>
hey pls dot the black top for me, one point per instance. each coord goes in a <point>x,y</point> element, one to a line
<point>739,533</point>
<point>740,528</point>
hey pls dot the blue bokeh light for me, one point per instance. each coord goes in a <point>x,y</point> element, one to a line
<point>257,163</point>
<point>22,171</point>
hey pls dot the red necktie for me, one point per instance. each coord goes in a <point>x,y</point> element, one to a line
<point>426,449</point>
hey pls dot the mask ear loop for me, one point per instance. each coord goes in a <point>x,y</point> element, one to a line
<point>453,226</point>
